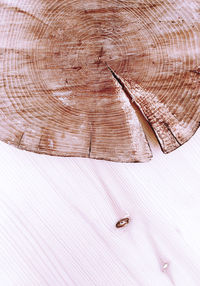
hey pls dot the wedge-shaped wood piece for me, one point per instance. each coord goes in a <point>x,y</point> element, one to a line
<point>71,71</point>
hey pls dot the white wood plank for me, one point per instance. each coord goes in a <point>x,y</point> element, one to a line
<point>58,216</point>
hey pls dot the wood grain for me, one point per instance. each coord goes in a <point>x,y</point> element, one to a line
<point>58,220</point>
<point>73,73</point>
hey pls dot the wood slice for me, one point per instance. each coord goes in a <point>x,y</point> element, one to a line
<point>72,72</point>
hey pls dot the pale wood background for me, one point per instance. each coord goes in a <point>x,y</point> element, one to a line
<point>58,216</point>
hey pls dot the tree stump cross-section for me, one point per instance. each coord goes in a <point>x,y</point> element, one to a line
<point>74,75</point>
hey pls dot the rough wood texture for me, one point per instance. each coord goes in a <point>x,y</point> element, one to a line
<point>75,74</point>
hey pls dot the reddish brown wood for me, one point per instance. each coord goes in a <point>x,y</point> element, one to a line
<point>73,74</point>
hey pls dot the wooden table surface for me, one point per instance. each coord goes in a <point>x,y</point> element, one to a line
<point>58,217</point>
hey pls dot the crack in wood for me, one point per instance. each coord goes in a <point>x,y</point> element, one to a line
<point>146,126</point>
<point>40,141</point>
<point>101,53</point>
<point>167,126</point>
<point>125,106</point>
<point>141,117</point>
<point>20,139</point>
<point>90,142</point>
<point>124,88</point>
<point>90,145</point>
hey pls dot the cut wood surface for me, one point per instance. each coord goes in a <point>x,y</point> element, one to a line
<point>82,78</point>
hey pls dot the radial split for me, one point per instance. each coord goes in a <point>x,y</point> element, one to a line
<point>78,76</point>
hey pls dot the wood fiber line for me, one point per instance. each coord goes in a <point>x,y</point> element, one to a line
<point>80,78</point>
